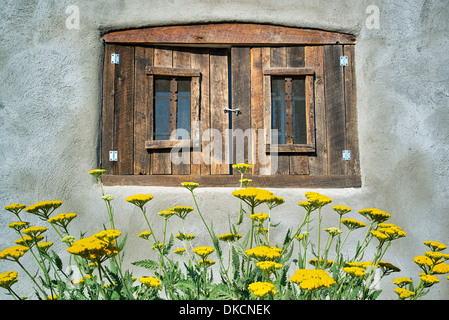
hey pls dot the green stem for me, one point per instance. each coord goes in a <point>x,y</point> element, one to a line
<point>31,277</point>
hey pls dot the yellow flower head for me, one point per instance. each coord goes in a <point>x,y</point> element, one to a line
<point>308,205</point>
<point>97,172</point>
<point>264,253</point>
<point>404,293</point>
<point>435,246</point>
<point>229,237</point>
<point>18,225</point>
<point>259,217</point>
<point>388,231</point>
<point>44,209</point>
<point>435,256</point>
<point>34,231</point>
<point>166,214</point>
<point>375,215</point>
<point>353,224</point>
<point>93,249</point>
<point>440,268</point>
<point>145,235</point>
<point>269,266</point>
<point>7,279</point>
<point>190,185</point>
<point>15,208</point>
<point>261,289</point>
<point>341,210</point>
<point>310,279</point>
<point>242,167</point>
<point>62,219</point>
<point>108,235</point>
<point>15,253</point>
<point>245,182</point>
<point>253,196</point>
<point>151,282</point>
<point>402,281</point>
<point>204,251</point>
<point>318,199</point>
<point>184,236</point>
<point>44,246</point>
<point>355,271</point>
<point>429,280</point>
<point>206,263</point>
<point>181,211</point>
<point>179,251</point>
<point>139,200</point>
<point>333,231</point>
<point>29,241</point>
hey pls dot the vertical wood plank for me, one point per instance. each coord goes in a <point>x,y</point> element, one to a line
<point>318,163</point>
<point>241,99</point>
<point>352,167</point>
<point>124,110</point>
<point>200,60</point>
<point>256,106</point>
<point>107,128</point>
<point>142,106</point>
<point>160,159</point>
<point>335,107</point>
<point>181,59</point>
<point>268,169</point>
<point>299,164</point>
<point>279,59</point>
<point>219,99</point>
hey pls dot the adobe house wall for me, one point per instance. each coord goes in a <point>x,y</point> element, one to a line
<point>50,103</point>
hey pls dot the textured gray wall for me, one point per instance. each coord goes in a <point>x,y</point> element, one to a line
<point>50,102</point>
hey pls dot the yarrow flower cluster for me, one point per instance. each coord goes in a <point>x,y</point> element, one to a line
<point>310,279</point>
<point>204,251</point>
<point>264,253</point>
<point>375,215</point>
<point>7,279</point>
<point>139,200</point>
<point>44,209</point>
<point>261,289</point>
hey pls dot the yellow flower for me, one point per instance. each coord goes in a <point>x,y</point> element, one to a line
<point>158,246</point>
<point>15,208</point>
<point>424,262</point>
<point>139,200</point>
<point>29,241</point>
<point>229,237</point>
<point>108,235</point>
<point>179,251</point>
<point>440,268</point>
<point>97,172</point>
<point>310,279</point>
<point>206,263</point>
<point>308,205</point>
<point>261,289</point>
<point>18,225</point>
<point>375,215</point>
<point>404,293</point>
<point>7,279</point>
<point>379,235</point>
<point>181,211</point>
<point>435,256</point>
<point>273,201</point>
<point>333,231</point>
<point>166,214</point>
<point>353,224</point>
<point>62,219</point>
<point>435,246</point>
<point>252,196</point>
<point>429,280</point>
<point>145,235</point>
<point>190,185</point>
<point>264,253</point>
<point>93,249</point>
<point>402,281</point>
<point>44,209</point>
<point>260,217</point>
<point>355,271</point>
<point>44,246</point>
<point>14,253</point>
<point>151,282</point>
<point>341,210</point>
<point>318,199</point>
<point>269,266</point>
<point>245,182</point>
<point>68,239</point>
<point>184,236</point>
<point>388,231</point>
<point>204,251</point>
<point>34,231</point>
<point>242,167</point>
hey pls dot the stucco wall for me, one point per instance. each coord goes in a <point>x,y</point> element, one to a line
<point>50,103</point>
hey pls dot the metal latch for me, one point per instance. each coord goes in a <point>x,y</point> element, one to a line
<point>346,154</point>
<point>113,156</point>
<point>344,61</point>
<point>236,111</point>
<point>115,58</point>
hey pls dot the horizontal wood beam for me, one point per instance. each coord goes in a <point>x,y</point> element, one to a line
<point>227,34</point>
<point>272,181</point>
<point>300,148</point>
<point>173,72</point>
<point>168,144</point>
<point>289,71</point>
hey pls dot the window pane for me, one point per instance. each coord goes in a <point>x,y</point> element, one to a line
<point>161,109</point>
<point>299,111</point>
<point>183,109</point>
<point>278,114</point>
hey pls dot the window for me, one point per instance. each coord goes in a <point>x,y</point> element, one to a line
<point>186,102</point>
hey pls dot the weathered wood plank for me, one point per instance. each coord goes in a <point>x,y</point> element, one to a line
<point>142,105</point>
<point>241,99</point>
<point>257,109</point>
<point>267,169</point>
<point>124,110</point>
<point>173,72</point>
<point>335,107</point>
<point>227,33</point>
<point>314,58</point>
<point>291,71</point>
<point>168,144</point>
<point>219,99</point>
<point>264,181</point>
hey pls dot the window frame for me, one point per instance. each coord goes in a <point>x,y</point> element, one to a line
<point>335,174</point>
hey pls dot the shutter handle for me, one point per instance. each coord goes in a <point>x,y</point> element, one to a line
<point>236,111</point>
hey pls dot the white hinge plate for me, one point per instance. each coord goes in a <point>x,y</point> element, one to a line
<point>346,155</point>
<point>115,58</point>
<point>113,156</point>
<point>344,61</point>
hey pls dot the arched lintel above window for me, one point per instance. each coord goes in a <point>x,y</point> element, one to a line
<point>227,34</point>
